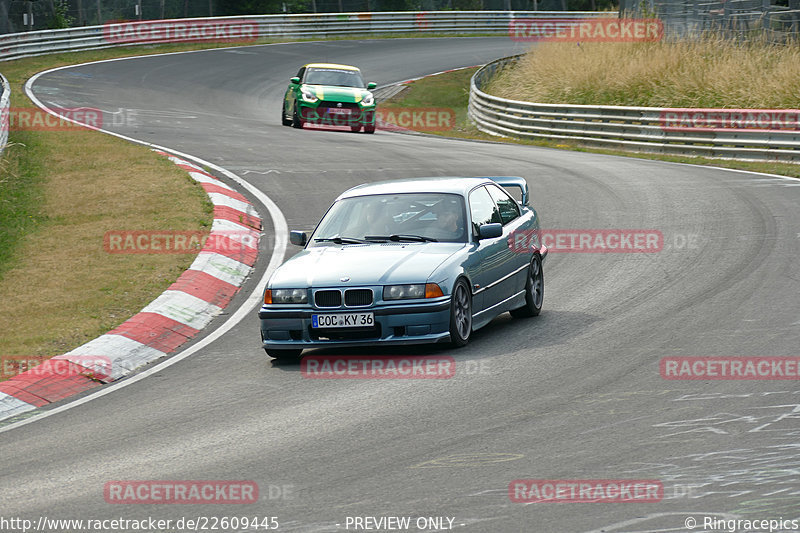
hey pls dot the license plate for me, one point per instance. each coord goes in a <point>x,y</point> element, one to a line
<point>343,320</point>
<point>339,111</point>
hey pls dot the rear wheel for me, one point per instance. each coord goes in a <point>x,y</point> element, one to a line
<point>534,291</point>
<point>287,356</point>
<point>297,122</point>
<point>460,314</point>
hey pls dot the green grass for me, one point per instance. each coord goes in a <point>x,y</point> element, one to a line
<point>49,248</point>
<point>60,191</point>
<point>449,90</point>
<point>21,196</point>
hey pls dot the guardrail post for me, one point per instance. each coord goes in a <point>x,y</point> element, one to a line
<point>5,108</point>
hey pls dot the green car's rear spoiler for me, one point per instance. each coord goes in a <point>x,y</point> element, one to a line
<point>513,181</point>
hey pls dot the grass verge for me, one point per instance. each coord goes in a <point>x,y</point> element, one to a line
<point>451,90</point>
<point>712,72</point>
<point>60,192</point>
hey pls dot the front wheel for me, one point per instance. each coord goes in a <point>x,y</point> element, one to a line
<point>356,128</point>
<point>297,122</point>
<point>369,122</point>
<point>284,355</point>
<point>460,314</point>
<point>534,291</point>
<point>285,121</point>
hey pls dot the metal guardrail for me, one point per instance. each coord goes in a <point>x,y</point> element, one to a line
<point>5,106</point>
<point>770,19</point>
<point>628,128</point>
<point>320,25</point>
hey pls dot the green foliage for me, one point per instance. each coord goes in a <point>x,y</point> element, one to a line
<point>467,5</point>
<point>60,17</point>
<point>261,7</point>
<point>21,194</point>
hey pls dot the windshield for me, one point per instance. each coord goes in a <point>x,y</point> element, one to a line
<point>413,217</point>
<point>333,76</point>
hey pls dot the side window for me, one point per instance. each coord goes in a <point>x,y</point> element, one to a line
<point>482,208</point>
<point>300,73</point>
<point>509,210</point>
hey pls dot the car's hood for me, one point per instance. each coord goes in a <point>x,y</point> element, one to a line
<point>337,94</point>
<point>369,264</point>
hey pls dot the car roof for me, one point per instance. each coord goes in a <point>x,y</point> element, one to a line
<point>448,184</point>
<point>330,65</point>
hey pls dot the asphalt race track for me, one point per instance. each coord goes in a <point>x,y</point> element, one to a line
<point>574,394</point>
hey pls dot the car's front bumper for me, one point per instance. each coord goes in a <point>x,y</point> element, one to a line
<point>323,113</point>
<point>289,327</point>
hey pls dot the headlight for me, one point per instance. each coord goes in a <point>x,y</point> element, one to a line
<point>286,296</point>
<point>368,99</point>
<point>308,95</point>
<point>408,292</point>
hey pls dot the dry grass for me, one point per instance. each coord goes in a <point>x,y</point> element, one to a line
<point>708,73</point>
<point>438,90</point>
<point>61,288</point>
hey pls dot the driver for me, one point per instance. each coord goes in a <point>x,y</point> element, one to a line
<point>449,219</point>
<point>376,220</point>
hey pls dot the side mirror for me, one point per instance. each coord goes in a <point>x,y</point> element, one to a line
<point>490,231</point>
<point>299,238</point>
<point>295,80</point>
<point>371,85</point>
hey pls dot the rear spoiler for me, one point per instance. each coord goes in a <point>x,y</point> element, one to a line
<point>513,181</point>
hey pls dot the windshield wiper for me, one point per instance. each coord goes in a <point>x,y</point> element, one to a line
<point>341,240</point>
<point>397,238</point>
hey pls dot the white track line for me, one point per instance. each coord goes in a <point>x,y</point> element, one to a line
<point>280,229</point>
<point>278,222</point>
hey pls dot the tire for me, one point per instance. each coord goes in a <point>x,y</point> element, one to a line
<point>356,128</point>
<point>534,291</point>
<point>297,122</point>
<point>369,128</point>
<point>460,314</point>
<point>287,356</point>
<point>285,121</point>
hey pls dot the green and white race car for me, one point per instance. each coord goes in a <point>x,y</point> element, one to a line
<point>330,94</point>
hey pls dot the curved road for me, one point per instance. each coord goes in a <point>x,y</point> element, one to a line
<point>573,394</point>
